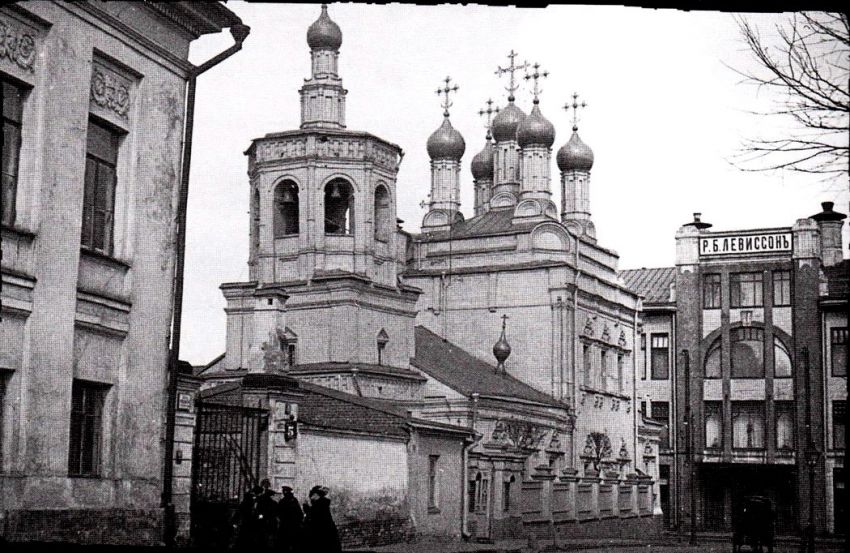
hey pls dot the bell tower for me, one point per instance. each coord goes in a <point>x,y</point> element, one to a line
<point>324,233</point>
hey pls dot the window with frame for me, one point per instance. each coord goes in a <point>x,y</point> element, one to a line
<point>713,425</point>
<point>712,367</point>
<point>12,117</point>
<point>585,350</point>
<point>781,288</point>
<point>84,451</point>
<point>660,356</point>
<point>782,367</point>
<point>661,413</point>
<point>621,360</point>
<point>838,351</point>
<point>748,425</point>
<point>784,412</point>
<point>339,207</point>
<point>507,486</point>
<point>99,189</point>
<point>747,352</point>
<point>433,481</point>
<point>2,413</point>
<point>286,215</point>
<point>839,412</point>
<point>745,290</point>
<point>643,356</point>
<point>603,370</point>
<point>711,291</point>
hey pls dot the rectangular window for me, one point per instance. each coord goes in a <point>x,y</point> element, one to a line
<point>839,412</point>
<point>781,288</point>
<point>643,356</point>
<point>433,483</point>
<point>13,101</point>
<point>713,425</point>
<point>585,350</point>
<point>748,425</point>
<point>661,413</point>
<point>99,188</point>
<point>86,429</point>
<point>711,291</point>
<point>2,404</point>
<point>660,356</point>
<point>507,485</point>
<point>745,290</point>
<point>784,411</point>
<point>838,351</point>
<point>603,370</point>
<point>620,372</point>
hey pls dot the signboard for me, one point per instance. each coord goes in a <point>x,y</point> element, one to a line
<point>741,244</point>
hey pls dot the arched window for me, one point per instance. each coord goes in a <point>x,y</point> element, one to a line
<point>285,209</point>
<point>382,222</point>
<point>713,360</point>
<point>255,222</point>
<point>781,359</point>
<point>506,493</point>
<point>339,207</point>
<point>747,352</point>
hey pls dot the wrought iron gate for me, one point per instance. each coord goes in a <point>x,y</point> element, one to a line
<point>229,440</point>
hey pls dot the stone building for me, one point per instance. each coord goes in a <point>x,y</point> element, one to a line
<point>93,123</point>
<point>747,335</point>
<point>341,298</point>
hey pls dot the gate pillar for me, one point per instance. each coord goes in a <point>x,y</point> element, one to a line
<point>184,441</point>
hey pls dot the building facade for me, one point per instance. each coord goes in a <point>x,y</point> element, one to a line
<point>93,118</point>
<point>757,319</point>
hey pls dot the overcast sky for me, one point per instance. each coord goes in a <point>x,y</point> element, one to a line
<point>664,119</point>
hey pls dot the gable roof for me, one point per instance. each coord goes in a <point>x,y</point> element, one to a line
<point>467,374</point>
<point>652,284</point>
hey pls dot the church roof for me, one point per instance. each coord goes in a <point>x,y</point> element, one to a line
<point>495,221</point>
<point>465,373</point>
<point>652,284</point>
<point>366,368</point>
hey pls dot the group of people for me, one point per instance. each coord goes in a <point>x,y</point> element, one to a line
<point>285,525</point>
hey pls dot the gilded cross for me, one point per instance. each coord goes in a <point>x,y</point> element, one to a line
<point>536,76</point>
<point>489,112</point>
<point>446,90</point>
<point>512,69</point>
<point>575,105</point>
<point>504,321</point>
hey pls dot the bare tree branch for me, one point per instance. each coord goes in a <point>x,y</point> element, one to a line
<point>807,69</point>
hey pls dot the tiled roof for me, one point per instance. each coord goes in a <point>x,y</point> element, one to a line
<point>652,284</point>
<point>322,368</point>
<point>467,374</point>
<point>838,279</point>
<point>496,221</point>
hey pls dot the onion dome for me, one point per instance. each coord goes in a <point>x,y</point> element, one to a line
<point>575,155</point>
<point>506,122</point>
<point>482,163</point>
<point>502,349</point>
<point>535,130</point>
<point>446,142</point>
<point>324,33</point>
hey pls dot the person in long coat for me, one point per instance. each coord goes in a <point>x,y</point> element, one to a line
<point>320,533</point>
<point>289,521</point>
<point>267,515</point>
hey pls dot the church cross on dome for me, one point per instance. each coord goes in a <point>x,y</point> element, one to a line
<point>575,105</point>
<point>512,69</point>
<point>446,90</point>
<point>536,76</point>
<point>489,112</point>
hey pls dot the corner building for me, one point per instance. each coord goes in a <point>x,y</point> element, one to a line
<point>759,372</point>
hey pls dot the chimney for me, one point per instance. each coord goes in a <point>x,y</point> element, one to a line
<point>829,224</point>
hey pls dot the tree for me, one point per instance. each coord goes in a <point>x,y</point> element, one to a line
<point>807,70</point>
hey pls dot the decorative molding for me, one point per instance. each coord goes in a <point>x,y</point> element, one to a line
<point>110,90</point>
<point>18,45</point>
<point>606,333</point>
<point>621,341</point>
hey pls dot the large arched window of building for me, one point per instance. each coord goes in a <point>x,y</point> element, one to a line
<point>713,360</point>
<point>339,207</point>
<point>747,352</point>
<point>285,209</point>
<point>255,223</point>
<point>383,219</point>
<point>781,359</point>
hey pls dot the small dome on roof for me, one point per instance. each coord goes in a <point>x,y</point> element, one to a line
<point>446,142</point>
<point>575,155</point>
<point>482,163</point>
<point>535,130</point>
<point>506,122</point>
<point>324,33</point>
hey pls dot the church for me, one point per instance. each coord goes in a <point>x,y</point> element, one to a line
<point>478,376</point>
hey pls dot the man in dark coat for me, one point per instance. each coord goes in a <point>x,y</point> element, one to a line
<point>320,533</point>
<point>266,515</point>
<point>289,520</point>
<point>248,528</point>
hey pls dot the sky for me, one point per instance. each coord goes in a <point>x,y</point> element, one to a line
<point>665,117</point>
